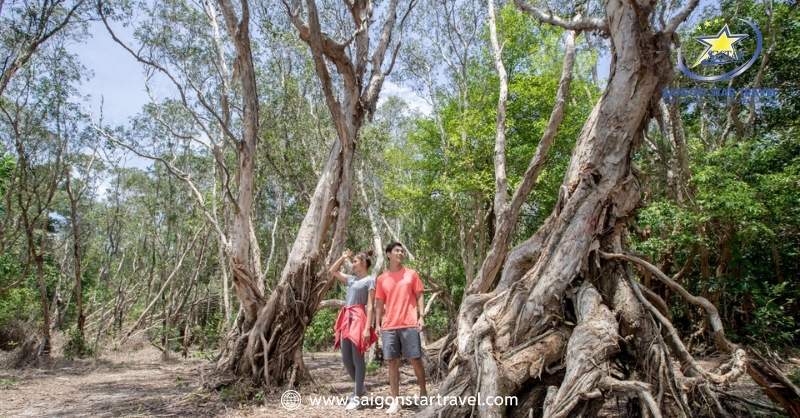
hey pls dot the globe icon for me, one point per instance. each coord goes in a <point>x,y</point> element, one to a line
<point>290,400</point>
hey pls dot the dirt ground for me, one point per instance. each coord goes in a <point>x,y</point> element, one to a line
<point>141,384</point>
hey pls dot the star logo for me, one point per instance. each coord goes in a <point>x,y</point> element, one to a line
<point>719,47</point>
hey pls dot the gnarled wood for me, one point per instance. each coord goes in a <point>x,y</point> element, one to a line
<point>532,299</point>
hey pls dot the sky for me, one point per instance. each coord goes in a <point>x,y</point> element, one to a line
<point>117,79</point>
<point>115,86</point>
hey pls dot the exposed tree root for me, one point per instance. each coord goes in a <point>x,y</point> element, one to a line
<point>774,383</point>
<point>588,359</point>
<point>642,390</point>
<point>712,314</point>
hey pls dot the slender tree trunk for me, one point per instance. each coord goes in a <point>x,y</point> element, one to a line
<point>34,209</point>
<point>248,288</point>
<point>76,252</point>
<point>372,215</point>
<point>507,214</point>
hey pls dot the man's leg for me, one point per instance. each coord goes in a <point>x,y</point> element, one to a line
<point>419,370</point>
<point>391,353</point>
<point>412,350</point>
<point>394,377</point>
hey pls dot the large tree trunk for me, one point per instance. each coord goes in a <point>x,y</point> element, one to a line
<point>565,297</point>
<point>509,339</point>
<point>266,350</point>
<point>248,288</point>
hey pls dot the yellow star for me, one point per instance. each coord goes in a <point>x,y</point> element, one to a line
<point>719,44</point>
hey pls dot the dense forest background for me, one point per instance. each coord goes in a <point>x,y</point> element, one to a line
<point>110,232</point>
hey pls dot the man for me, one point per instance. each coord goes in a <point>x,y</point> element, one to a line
<point>399,308</point>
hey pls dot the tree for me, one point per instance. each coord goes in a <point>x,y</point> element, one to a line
<point>38,121</point>
<point>75,193</point>
<point>268,351</point>
<point>31,25</point>
<point>573,269</point>
<point>238,245</point>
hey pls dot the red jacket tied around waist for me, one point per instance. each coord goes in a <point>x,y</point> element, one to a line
<point>350,324</point>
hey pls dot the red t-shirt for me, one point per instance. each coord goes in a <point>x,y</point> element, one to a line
<point>399,290</point>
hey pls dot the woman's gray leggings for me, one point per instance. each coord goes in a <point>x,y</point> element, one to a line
<point>354,363</point>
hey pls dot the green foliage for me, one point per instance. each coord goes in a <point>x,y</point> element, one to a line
<point>771,322</point>
<point>207,333</point>
<point>77,346</point>
<point>741,229</point>
<point>7,165</point>
<point>665,225</point>
<point>741,226</point>
<point>319,334</point>
<point>373,367</point>
<point>8,382</point>
<point>794,376</point>
<point>436,322</point>
<point>16,302</point>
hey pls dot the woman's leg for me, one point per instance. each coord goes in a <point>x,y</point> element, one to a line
<point>347,357</point>
<point>360,370</point>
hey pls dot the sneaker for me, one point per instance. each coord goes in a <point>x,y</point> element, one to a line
<point>352,404</point>
<point>394,407</point>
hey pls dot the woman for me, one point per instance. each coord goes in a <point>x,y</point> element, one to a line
<point>353,329</point>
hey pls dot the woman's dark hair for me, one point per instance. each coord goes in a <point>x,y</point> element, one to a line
<point>391,246</point>
<point>366,257</point>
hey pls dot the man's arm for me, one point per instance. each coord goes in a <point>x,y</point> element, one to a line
<point>378,314</point>
<point>420,310</point>
<point>419,289</point>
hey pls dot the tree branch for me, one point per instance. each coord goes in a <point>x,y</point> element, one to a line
<point>639,388</point>
<point>493,261</point>
<point>738,360</point>
<point>186,178</point>
<point>181,89</point>
<point>582,24</point>
<point>163,287</point>
<point>10,69</point>
<point>500,181</point>
<point>676,20</point>
<point>330,304</point>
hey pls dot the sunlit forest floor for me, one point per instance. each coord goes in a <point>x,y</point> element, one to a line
<point>140,383</point>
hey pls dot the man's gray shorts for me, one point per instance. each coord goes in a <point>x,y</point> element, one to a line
<point>401,340</point>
